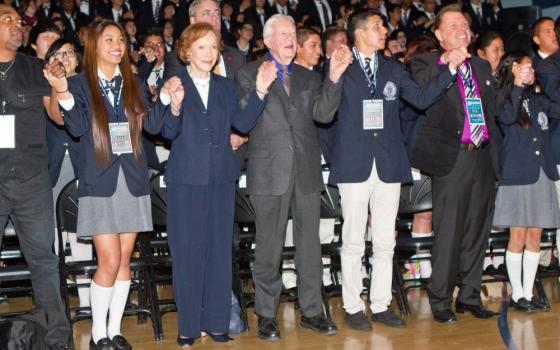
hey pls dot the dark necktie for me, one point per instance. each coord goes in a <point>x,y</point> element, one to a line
<point>286,79</point>
<point>371,77</point>
<point>113,86</point>
<point>470,92</point>
<point>479,15</point>
<point>156,11</point>
<point>157,72</point>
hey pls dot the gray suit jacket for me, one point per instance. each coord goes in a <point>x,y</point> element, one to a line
<point>285,135</point>
<point>233,60</point>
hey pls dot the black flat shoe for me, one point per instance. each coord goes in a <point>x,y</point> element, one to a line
<point>523,305</point>
<point>477,311</point>
<point>444,316</point>
<point>319,324</point>
<point>219,338</point>
<point>388,318</point>
<point>357,321</point>
<point>185,342</point>
<point>120,343</point>
<point>539,304</point>
<point>268,329</point>
<point>102,344</point>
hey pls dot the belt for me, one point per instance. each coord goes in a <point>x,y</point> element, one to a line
<point>472,147</point>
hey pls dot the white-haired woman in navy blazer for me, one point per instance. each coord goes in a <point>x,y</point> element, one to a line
<point>526,201</point>
<point>200,177</point>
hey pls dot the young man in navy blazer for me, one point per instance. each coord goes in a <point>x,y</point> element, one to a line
<point>370,161</point>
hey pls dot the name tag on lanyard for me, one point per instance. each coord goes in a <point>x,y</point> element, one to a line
<point>474,111</point>
<point>7,131</point>
<point>372,114</point>
<point>120,138</point>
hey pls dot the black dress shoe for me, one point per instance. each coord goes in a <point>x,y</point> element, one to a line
<point>268,329</point>
<point>539,304</point>
<point>120,343</point>
<point>102,344</point>
<point>477,311</point>
<point>388,318</point>
<point>319,324</point>
<point>220,338</point>
<point>523,305</point>
<point>357,321</point>
<point>185,341</point>
<point>444,316</point>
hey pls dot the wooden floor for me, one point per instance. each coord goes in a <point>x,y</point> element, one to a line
<point>534,331</point>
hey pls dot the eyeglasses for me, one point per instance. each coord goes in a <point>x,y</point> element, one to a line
<point>68,53</point>
<point>8,19</point>
<point>154,46</point>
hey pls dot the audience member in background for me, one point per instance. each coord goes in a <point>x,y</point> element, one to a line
<point>46,9</point>
<point>41,38</point>
<point>132,38</point>
<point>147,14</point>
<point>393,45</point>
<point>394,21</point>
<point>258,14</point>
<point>28,8</point>
<point>102,107</point>
<point>323,13</point>
<point>200,178</point>
<point>333,38</point>
<point>526,201</point>
<point>25,188</point>
<point>168,35</point>
<point>483,17</point>
<point>151,66</point>
<point>408,13</point>
<point>244,43</point>
<point>116,10</point>
<point>63,161</point>
<point>490,47</point>
<point>227,23</point>
<point>412,121</point>
<point>73,19</point>
<point>544,36</point>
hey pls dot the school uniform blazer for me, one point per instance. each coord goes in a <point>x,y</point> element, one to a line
<point>439,140</point>
<point>58,141</point>
<point>548,77</point>
<point>526,151</point>
<point>95,180</point>
<point>201,152</point>
<point>355,148</point>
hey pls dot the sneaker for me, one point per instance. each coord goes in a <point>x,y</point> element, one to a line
<point>357,321</point>
<point>388,318</point>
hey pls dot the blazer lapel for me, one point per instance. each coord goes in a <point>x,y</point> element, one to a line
<point>191,93</point>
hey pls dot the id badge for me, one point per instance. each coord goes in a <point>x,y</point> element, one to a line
<point>7,131</point>
<point>373,114</point>
<point>474,109</point>
<point>120,138</point>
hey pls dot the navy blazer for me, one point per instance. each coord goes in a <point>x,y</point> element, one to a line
<point>201,152</point>
<point>102,181</point>
<point>525,151</point>
<point>355,148</point>
<point>58,141</point>
<point>548,77</point>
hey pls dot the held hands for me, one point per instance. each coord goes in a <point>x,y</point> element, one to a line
<point>455,57</point>
<point>523,74</point>
<point>266,75</point>
<point>56,75</point>
<point>340,60</point>
<point>174,88</point>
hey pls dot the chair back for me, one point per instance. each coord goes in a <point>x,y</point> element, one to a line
<point>417,197</point>
<point>158,195</point>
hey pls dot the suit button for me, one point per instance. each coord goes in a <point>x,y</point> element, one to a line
<point>65,144</point>
<point>375,134</point>
<point>210,143</point>
<point>290,148</point>
<point>535,139</point>
<point>537,153</point>
<point>459,132</point>
<point>205,129</point>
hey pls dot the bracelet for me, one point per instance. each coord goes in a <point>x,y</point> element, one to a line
<point>62,92</point>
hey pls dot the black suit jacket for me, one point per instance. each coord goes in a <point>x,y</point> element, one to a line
<point>439,139</point>
<point>488,22</point>
<point>106,11</point>
<point>548,77</point>
<point>252,17</point>
<point>70,33</point>
<point>144,15</point>
<point>308,7</point>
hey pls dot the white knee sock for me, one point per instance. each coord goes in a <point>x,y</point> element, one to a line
<point>118,303</point>
<point>513,263</point>
<point>100,300</point>
<point>83,291</point>
<point>530,266</point>
<point>425,264</point>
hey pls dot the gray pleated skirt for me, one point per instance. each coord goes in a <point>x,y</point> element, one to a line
<point>534,205</point>
<point>120,213</point>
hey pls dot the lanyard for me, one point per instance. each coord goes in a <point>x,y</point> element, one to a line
<point>116,99</point>
<point>371,82</point>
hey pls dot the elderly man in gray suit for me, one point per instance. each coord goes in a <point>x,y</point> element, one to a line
<point>284,173</point>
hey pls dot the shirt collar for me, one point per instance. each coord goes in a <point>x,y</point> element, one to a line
<point>278,64</point>
<point>102,75</point>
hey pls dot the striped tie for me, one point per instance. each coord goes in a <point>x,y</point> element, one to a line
<point>156,11</point>
<point>470,92</point>
<point>370,76</point>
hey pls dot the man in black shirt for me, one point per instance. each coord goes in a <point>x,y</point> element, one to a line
<point>25,188</point>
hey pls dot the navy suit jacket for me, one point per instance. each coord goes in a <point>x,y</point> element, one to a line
<point>355,149</point>
<point>102,181</point>
<point>548,77</point>
<point>525,151</point>
<point>201,151</point>
<point>58,141</point>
